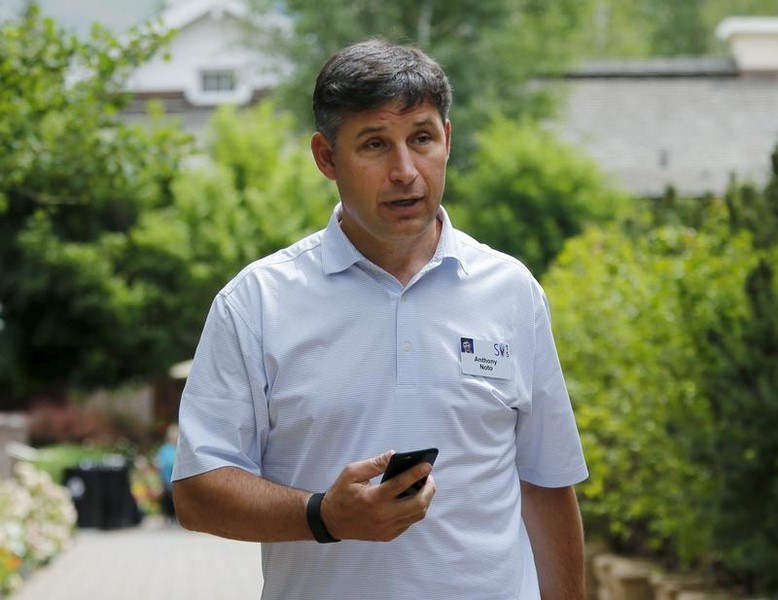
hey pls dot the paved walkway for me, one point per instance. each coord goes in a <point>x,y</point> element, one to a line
<point>150,562</point>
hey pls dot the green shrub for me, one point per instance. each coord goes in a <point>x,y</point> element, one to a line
<point>668,334</point>
<point>739,358</point>
<point>56,458</point>
<point>526,193</point>
<point>632,371</point>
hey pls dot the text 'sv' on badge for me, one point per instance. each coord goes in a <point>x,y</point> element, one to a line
<point>487,359</point>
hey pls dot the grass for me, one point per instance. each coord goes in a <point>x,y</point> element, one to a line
<point>55,459</point>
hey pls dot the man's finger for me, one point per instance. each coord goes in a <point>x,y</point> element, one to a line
<point>365,470</point>
<point>398,484</point>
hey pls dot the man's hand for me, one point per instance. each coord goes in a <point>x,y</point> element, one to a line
<point>355,509</point>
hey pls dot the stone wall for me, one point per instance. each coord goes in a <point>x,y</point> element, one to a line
<point>13,430</point>
<point>612,577</point>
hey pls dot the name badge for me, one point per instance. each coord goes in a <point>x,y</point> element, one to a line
<point>487,359</point>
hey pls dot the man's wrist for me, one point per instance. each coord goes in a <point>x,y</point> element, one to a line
<point>315,522</point>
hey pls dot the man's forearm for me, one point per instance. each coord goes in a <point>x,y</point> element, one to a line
<point>553,522</point>
<point>235,504</point>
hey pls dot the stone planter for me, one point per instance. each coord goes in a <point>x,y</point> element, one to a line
<point>591,551</point>
<point>13,429</point>
<point>670,587</point>
<point>702,595</point>
<point>621,578</point>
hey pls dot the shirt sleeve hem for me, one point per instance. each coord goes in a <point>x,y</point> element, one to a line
<point>555,480</point>
<point>184,470</point>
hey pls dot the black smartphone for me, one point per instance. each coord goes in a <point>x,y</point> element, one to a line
<point>402,461</point>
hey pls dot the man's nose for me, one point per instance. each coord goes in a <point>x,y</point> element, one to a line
<point>403,169</point>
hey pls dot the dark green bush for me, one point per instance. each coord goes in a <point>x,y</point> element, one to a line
<point>526,193</point>
<point>668,330</point>
<point>739,359</point>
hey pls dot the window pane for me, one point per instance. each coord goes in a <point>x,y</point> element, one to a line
<point>218,81</point>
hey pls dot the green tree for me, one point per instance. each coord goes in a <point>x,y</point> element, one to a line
<point>489,48</point>
<point>668,332</point>
<point>111,248</point>
<point>255,191</point>
<point>73,183</point>
<point>740,379</point>
<point>739,358</point>
<point>635,379</point>
<point>526,193</point>
<point>643,28</point>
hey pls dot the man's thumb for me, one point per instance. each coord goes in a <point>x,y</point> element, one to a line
<point>365,470</point>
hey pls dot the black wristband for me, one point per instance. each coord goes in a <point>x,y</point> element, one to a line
<point>315,522</point>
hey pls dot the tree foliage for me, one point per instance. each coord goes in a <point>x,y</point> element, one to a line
<point>629,363</point>
<point>526,193</point>
<point>644,28</point>
<point>739,360</point>
<point>667,330</point>
<point>73,182</point>
<point>489,48</point>
<point>256,190</point>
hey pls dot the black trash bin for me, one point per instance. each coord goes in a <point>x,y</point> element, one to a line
<point>102,495</point>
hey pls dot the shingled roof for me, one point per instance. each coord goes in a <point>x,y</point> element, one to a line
<point>692,131</point>
<point>690,123</point>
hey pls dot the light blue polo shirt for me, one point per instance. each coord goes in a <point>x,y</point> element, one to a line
<point>313,358</point>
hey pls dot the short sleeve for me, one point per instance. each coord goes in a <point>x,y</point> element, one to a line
<point>223,417</point>
<point>548,446</point>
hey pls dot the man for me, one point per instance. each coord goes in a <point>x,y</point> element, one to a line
<point>319,360</point>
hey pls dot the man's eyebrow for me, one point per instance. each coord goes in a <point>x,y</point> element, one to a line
<point>372,129</point>
<point>425,122</point>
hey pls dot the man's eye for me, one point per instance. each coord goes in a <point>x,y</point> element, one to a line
<point>374,144</point>
<point>423,138</point>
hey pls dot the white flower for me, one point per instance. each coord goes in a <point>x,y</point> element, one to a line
<point>37,516</point>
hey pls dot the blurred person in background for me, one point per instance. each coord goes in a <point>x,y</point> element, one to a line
<point>165,459</point>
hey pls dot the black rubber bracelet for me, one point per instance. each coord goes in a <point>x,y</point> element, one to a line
<point>315,522</point>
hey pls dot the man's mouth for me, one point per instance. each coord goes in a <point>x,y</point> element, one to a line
<point>405,202</point>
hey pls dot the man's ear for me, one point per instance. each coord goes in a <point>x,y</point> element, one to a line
<point>447,130</point>
<point>322,151</point>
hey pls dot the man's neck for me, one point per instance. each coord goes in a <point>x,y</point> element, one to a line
<point>403,260</point>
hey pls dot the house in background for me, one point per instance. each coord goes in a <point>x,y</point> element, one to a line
<point>208,63</point>
<point>690,123</point>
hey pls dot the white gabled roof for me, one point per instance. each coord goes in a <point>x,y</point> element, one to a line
<point>746,26</point>
<point>184,12</point>
<point>753,42</point>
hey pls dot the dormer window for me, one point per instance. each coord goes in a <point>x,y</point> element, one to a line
<point>216,81</point>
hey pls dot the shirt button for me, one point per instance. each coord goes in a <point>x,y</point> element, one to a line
<point>407,346</point>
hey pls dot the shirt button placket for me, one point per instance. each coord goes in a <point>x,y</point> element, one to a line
<point>407,328</point>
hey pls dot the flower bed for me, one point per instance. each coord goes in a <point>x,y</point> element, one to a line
<point>37,521</point>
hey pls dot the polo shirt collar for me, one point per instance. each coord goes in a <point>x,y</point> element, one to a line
<point>338,253</point>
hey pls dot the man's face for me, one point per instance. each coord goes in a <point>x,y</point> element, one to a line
<point>390,169</point>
